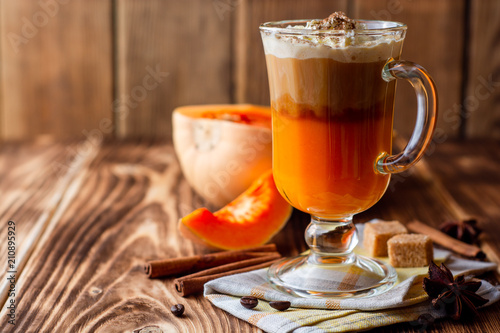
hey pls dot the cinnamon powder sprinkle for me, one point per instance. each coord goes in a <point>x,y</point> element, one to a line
<point>336,21</point>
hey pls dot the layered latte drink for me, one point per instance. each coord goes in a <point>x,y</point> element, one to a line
<point>332,86</point>
<point>332,112</point>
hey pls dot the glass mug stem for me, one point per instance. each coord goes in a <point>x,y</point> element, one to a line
<point>421,137</point>
<point>331,241</point>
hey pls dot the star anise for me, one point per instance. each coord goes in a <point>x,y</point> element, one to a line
<point>464,230</point>
<point>457,296</point>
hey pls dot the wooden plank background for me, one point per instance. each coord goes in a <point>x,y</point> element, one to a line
<point>481,104</point>
<point>80,68</point>
<point>187,42</point>
<point>56,67</point>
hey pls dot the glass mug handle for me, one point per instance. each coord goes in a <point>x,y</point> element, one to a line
<point>426,115</point>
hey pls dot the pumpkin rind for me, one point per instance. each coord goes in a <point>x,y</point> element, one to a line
<point>252,219</point>
<point>220,158</point>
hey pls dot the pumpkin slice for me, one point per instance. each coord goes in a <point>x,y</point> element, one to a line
<point>222,149</point>
<point>252,219</point>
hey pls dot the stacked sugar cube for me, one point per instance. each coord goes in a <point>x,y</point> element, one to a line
<point>391,238</point>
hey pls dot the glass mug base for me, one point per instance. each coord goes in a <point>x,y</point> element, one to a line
<point>357,277</point>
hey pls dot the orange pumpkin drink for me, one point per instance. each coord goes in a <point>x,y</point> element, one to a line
<point>332,117</point>
<point>332,84</point>
<point>324,152</point>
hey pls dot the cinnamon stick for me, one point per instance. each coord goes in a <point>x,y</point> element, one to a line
<point>191,284</point>
<point>444,240</point>
<point>186,265</point>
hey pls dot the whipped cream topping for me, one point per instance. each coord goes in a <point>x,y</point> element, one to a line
<point>347,42</point>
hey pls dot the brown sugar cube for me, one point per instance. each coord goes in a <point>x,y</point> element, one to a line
<point>410,250</point>
<point>376,235</point>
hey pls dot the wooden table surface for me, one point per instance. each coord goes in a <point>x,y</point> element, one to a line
<point>87,217</point>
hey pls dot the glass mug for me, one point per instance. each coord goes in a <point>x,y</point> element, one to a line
<point>332,101</point>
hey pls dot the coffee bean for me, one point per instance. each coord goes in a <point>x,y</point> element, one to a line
<point>249,302</point>
<point>177,310</point>
<point>280,305</point>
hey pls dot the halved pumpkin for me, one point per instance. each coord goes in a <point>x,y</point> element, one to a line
<point>252,219</point>
<point>222,149</point>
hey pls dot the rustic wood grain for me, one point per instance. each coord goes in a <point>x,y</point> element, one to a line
<point>86,273</point>
<point>56,68</point>
<point>482,100</point>
<point>47,171</point>
<point>250,75</point>
<point>435,41</point>
<point>188,42</point>
<point>405,200</point>
<point>121,207</point>
<point>477,192</point>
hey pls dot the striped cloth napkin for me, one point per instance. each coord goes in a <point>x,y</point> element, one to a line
<point>405,302</point>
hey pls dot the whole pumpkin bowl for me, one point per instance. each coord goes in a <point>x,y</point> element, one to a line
<point>222,149</point>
